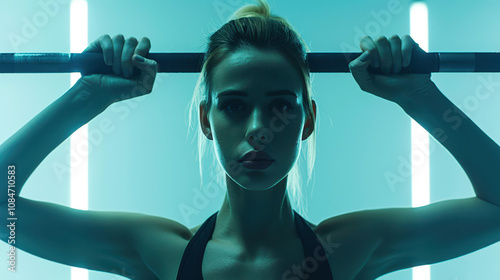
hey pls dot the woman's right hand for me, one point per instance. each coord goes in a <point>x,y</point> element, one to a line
<point>124,83</point>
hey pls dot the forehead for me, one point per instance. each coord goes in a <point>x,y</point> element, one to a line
<point>257,71</point>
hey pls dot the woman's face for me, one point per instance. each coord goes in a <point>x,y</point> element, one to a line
<point>256,106</point>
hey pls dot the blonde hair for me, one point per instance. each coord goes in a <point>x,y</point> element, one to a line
<point>255,26</point>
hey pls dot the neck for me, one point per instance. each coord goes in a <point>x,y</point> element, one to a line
<point>258,221</point>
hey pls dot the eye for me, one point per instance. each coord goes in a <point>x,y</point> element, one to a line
<point>229,104</point>
<point>286,104</point>
<point>282,106</point>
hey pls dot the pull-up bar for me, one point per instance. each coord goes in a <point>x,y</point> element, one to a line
<point>93,63</point>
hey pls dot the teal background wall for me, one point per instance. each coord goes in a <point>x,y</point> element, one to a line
<point>147,163</point>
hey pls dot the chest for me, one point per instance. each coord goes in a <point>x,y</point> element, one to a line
<point>346,258</point>
<point>222,261</point>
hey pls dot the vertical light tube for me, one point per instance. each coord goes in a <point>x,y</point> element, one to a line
<point>79,139</point>
<point>419,31</point>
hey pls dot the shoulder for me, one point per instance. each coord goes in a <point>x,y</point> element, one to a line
<point>154,224</point>
<point>350,241</point>
<point>160,243</point>
<point>157,236</point>
<point>195,229</point>
<point>158,231</point>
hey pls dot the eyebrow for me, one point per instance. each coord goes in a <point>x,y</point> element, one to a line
<point>271,93</point>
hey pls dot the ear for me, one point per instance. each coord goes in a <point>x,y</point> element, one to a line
<point>309,125</point>
<point>205,124</point>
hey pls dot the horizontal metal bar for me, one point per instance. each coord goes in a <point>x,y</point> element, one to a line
<point>93,63</point>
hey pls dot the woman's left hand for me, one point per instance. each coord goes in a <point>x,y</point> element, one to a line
<point>389,55</point>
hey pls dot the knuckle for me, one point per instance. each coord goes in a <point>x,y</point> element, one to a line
<point>104,36</point>
<point>382,41</point>
<point>366,37</point>
<point>408,40</point>
<point>154,65</point>
<point>132,40</point>
<point>119,38</point>
<point>395,38</point>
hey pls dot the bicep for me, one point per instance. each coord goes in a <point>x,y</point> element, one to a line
<point>93,240</point>
<point>434,233</point>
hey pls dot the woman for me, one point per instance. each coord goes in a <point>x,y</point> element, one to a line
<point>255,106</point>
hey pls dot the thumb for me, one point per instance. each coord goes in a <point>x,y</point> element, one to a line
<point>415,49</point>
<point>358,68</point>
<point>142,63</point>
<point>148,68</point>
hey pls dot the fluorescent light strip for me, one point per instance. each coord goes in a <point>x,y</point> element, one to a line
<point>419,31</point>
<point>79,139</point>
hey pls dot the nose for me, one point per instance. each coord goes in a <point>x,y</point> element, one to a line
<point>258,132</point>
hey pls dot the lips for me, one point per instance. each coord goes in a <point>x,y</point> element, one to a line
<point>257,164</point>
<point>256,156</point>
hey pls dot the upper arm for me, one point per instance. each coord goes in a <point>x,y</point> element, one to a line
<point>433,233</point>
<point>96,240</point>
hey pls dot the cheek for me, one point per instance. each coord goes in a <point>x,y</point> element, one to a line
<point>280,128</point>
<point>288,141</point>
<point>225,131</point>
<point>287,127</point>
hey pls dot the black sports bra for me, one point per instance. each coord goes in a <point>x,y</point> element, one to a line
<point>190,267</point>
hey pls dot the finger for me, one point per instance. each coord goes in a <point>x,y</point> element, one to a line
<point>91,48</point>
<point>118,42</point>
<point>367,44</point>
<point>148,69</point>
<point>385,54</point>
<point>358,68</point>
<point>128,51</point>
<point>103,44</point>
<point>407,46</point>
<point>143,47</point>
<point>395,42</point>
<point>94,46</point>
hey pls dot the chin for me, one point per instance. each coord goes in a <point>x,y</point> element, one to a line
<point>256,188</point>
<point>253,184</point>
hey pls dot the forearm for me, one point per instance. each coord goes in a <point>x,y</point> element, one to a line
<point>477,153</point>
<point>27,148</point>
